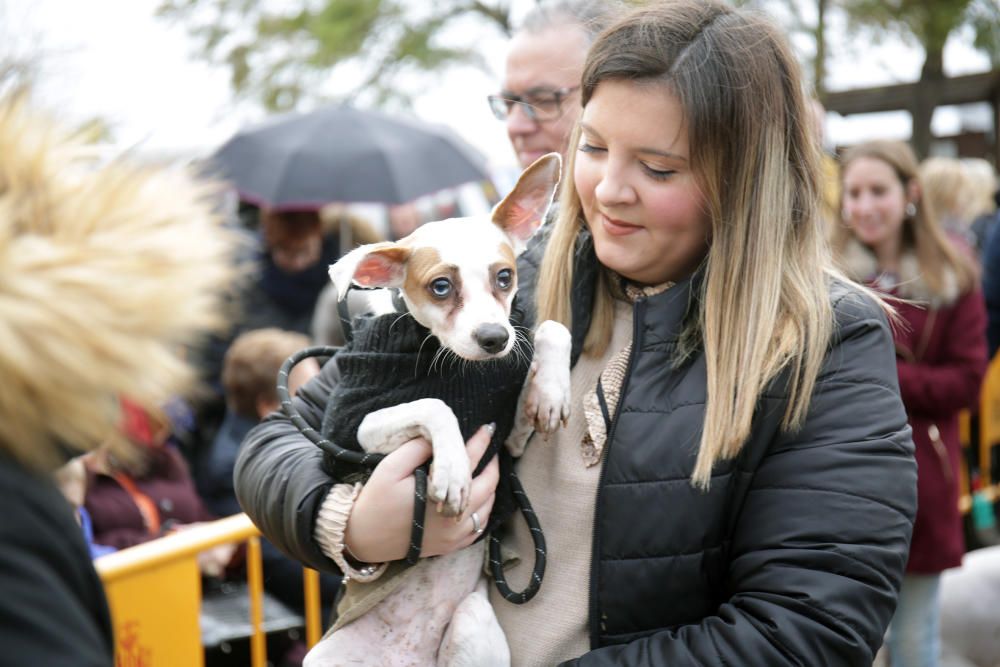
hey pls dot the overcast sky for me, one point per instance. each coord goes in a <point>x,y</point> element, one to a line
<point>115,60</point>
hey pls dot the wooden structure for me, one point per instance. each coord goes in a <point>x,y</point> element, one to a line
<point>968,89</point>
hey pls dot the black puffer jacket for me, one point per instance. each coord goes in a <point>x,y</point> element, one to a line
<point>793,557</point>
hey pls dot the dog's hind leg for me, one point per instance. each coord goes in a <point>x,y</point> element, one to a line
<point>474,637</point>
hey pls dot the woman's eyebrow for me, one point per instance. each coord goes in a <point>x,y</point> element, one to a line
<point>647,150</point>
<point>590,130</point>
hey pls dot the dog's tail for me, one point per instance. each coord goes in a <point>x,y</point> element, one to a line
<point>106,273</point>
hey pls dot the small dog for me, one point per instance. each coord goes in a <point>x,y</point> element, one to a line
<point>457,278</point>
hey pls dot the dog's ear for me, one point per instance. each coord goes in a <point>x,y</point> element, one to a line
<point>374,265</point>
<point>522,211</point>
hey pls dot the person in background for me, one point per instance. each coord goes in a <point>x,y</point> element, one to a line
<point>984,191</point>
<point>891,241</point>
<point>72,481</point>
<point>105,272</point>
<point>147,495</point>
<point>946,189</point>
<point>539,99</point>
<point>991,275</point>
<point>736,483</point>
<point>290,270</point>
<point>249,376</point>
<point>282,270</point>
<point>403,220</point>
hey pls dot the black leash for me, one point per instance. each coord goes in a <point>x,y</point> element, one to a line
<point>369,460</point>
<point>537,538</point>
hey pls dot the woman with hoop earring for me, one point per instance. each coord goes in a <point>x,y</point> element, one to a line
<point>892,241</point>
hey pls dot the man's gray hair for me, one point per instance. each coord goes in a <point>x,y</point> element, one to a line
<point>591,15</point>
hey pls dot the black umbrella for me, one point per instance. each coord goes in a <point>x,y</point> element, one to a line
<point>342,154</point>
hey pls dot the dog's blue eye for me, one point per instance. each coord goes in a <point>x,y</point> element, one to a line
<point>505,277</point>
<point>440,287</point>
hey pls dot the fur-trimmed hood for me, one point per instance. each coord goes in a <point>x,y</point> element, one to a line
<point>105,275</point>
<point>859,263</point>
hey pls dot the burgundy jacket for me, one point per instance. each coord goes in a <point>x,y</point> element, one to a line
<point>116,518</point>
<point>941,358</point>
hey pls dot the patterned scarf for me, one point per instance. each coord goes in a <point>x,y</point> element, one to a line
<point>609,386</point>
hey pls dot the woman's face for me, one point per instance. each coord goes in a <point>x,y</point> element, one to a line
<point>874,202</point>
<point>635,183</point>
<point>294,240</point>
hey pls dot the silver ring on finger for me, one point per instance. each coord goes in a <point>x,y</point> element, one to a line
<point>477,527</point>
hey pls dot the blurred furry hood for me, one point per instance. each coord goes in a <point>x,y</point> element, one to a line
<point>106,273</point>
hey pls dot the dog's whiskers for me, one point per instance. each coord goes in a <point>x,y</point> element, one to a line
<point>520,352</point>
<point>416,365</point>
<point>401,316</point>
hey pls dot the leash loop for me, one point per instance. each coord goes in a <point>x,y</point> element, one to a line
<point>537,538</point>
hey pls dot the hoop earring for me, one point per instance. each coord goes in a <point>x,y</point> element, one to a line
<point>910,210</point>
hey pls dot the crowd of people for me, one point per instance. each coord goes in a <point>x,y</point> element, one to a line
<point>779,342</point>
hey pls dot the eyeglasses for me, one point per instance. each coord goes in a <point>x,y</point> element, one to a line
<point>540,104</point>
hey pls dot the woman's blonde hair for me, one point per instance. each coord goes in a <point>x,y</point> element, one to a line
<point>923,235</point>
<point>763,304</point>
<point>982,187</point>
<point>106,274</point>
<point>945,187</point>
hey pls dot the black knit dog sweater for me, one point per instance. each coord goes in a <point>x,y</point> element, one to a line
<point>392,359</point>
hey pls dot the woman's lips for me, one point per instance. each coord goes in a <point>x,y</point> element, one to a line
<point>618,227</point>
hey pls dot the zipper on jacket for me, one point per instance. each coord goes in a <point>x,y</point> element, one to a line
<point>596,619</point>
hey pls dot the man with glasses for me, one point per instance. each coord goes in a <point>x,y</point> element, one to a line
<point>539,101</point>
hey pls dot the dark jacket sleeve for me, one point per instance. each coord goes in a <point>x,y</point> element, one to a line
<point>950,384</point>
<point>52,610</point>
<point>991,287</point>
<point>279,478</point>
<point>820,543</point>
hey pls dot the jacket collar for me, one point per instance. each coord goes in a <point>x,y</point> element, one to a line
<point>665,314</point>
<point>860,265</point>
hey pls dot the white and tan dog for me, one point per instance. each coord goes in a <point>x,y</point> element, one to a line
<point>457,278</point>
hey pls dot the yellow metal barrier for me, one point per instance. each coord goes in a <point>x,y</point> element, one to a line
<point>154,591</point>
<point>989,420</point>
<point>989,436</point>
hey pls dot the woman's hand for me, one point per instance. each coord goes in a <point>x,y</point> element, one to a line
<point>378,529</point>
<point>212,562</point>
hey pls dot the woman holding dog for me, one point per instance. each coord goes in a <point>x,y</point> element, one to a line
<point>892,240</point>
<point>736,484</point>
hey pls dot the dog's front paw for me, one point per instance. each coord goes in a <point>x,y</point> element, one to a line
<point>548,399</point>
<point>449,480</point>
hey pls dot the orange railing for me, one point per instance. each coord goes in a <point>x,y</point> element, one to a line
<point>154,590</point>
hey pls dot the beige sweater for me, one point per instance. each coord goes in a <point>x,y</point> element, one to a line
<point>552,627</point>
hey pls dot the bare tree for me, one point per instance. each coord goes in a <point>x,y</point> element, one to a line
<point>279,55</point>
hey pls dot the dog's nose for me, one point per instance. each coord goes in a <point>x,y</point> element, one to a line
<point>491,337</point>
